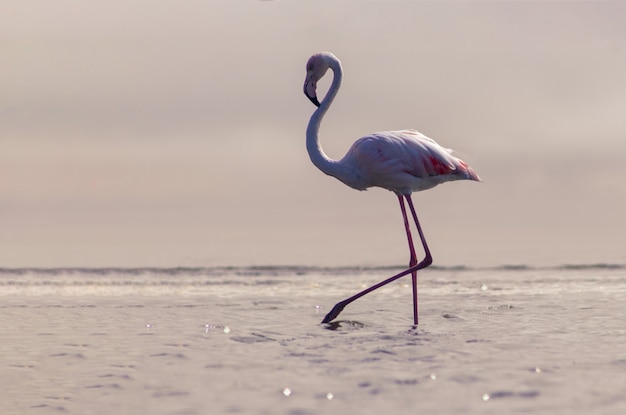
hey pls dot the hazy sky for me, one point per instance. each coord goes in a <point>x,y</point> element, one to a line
<point>171,133</point>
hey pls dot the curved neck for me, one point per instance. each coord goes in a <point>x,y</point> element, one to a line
<point>317,155</point>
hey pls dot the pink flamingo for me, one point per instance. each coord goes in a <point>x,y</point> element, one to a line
<point>400,161</point>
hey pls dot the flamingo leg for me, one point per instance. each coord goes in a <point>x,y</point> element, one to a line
<point>428,260</point>
<point>413,259</point>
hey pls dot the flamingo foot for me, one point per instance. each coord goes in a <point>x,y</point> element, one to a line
<point>338,308</point>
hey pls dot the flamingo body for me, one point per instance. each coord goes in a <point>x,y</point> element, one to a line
<point>403,162</point>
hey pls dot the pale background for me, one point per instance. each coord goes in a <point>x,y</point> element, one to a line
<point>171,133</point>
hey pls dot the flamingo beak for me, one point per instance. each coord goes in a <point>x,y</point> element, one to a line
<point>314,101</point>
<point>310,87</point>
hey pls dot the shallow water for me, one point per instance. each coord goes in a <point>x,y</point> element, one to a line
<point>248,340</point>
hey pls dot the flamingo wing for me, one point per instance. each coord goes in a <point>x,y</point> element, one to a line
<point>403,162</point>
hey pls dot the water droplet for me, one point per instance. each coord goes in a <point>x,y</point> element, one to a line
<point>433,376</point>
<point>485,397</point>
<point>286,391</point>
<point>226,329</point>
<point>484,287</point>
<point>330,396</point>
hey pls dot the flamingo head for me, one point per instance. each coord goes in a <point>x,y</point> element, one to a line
<point>316,68</point>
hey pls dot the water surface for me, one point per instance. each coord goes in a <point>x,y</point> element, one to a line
<point>248,340</point>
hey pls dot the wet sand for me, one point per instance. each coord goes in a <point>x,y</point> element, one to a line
<point>249,341</point>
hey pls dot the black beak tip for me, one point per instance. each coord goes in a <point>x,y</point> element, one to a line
<point>314,100</point>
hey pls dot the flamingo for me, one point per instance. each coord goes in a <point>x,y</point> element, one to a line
<point>403,162</point>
